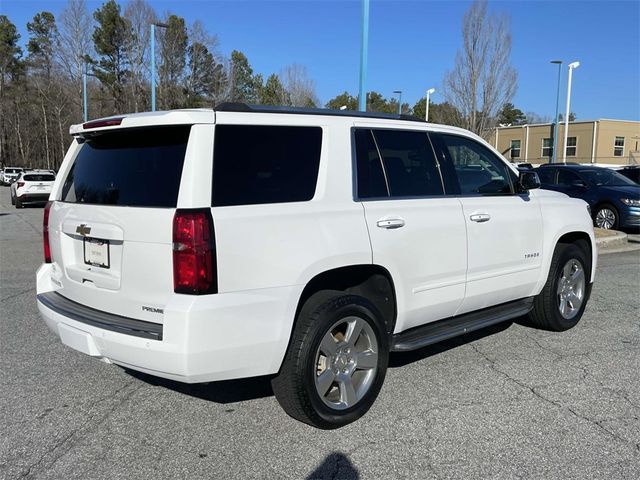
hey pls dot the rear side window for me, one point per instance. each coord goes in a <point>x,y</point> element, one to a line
<point>409,163</point>
<point>371,181</point>
<point>138,167</point>
<point>256,164</point>
<point>39,178</point>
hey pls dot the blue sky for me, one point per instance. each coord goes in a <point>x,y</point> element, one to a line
<point>413,44</point>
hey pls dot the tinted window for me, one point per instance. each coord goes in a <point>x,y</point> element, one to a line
<point>371,181</point>
<point>604,176</point>
<point>134,167</point>
<point>39,178</point>
<point>409,163</point>
<point>265,164</point>
<point>546,175</point>
<point>478,169</point>
<point>567,177</point>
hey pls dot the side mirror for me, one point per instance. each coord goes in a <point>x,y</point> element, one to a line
<point>527,180</point>
<point>578,183</point>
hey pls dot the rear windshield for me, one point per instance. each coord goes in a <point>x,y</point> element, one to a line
<point>134,167</point>
<point>265,164</point>
<point>12,170</point>
<point>39,178</point>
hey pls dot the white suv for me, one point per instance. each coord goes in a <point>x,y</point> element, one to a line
<point>203,245</point>
<point>32,186</point>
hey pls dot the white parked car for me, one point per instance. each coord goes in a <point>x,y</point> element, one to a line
<point>204,245</point>
<point>10,175</point>
<point>32,186</point>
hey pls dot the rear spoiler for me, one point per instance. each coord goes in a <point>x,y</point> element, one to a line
<point>146,119</point>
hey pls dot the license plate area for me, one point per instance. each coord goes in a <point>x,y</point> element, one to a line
<point>96,252</point>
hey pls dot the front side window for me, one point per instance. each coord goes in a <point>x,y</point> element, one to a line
<point>546,175</point>
<point>479,171</point>
<point>572,146</point>
<point>258,164</point>
<point>515,148</point>
<point>618,147</point>
<point>547,147</point>
<point>135,167</point>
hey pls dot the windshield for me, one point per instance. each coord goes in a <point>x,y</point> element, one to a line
<point>606,177</point>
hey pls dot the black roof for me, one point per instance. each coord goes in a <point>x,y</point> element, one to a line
<point>243,107</point>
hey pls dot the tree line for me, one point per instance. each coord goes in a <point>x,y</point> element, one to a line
<point>41,88</point>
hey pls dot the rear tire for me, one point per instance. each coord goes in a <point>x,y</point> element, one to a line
<point>19,203</point>
<point>336,361</point>
<point>562,301</point>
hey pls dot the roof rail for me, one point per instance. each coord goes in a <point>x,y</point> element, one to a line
<point>243,107</point>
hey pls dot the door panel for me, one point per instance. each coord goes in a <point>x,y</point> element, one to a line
<point>427,256</point>
<point>416,233</point>
<point>504,230</point>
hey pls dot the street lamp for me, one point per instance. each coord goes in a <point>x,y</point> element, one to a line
<point>364,47</point>
<point>153,62</point>
<point>555,119</point>
<point>566,116</point>
<point>85,106</point>
<point>399,92</point>
<point>426,114</point>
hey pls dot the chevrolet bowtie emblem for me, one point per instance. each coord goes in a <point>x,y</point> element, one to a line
<point>83,230</point>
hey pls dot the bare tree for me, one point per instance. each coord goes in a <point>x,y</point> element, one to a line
<point>300,87</point>
<point>483,79</point>
<point>140,15</point>
<point>74,40</point>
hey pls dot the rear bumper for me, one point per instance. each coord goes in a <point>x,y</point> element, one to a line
<point>34,197</point>
<point>201,339</point>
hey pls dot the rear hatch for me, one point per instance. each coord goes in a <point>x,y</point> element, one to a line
<point>111,226</point>
<point>38,183</point>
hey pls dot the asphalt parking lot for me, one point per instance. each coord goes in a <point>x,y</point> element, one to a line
<point>507,402</point>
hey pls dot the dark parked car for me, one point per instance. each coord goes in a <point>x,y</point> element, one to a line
<point>613,198</point>
<point>632,172</point>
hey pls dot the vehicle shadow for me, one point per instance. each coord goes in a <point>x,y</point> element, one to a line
<point>243,389</point>
<point>335,465</point>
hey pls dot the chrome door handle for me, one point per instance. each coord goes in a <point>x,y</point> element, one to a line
<point>390,223</point>
<point>480,217</point>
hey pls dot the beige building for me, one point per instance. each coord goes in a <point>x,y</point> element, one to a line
<point>598,141</point>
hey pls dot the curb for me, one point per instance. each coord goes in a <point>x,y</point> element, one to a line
<point>615,242</point>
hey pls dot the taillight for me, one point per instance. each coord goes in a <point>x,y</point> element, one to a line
<point>45,233</point>
<point>194,270</point>
<point>20,184</point>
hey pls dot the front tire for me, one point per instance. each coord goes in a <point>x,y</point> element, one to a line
<point>336,361</point>
<point>606,217</point>
<point>563,299</point>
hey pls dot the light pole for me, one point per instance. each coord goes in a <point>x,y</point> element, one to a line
<point>426,114</point>
<point>566,115</point>
<point>153,62</point>
<point>399,92</point>
<point>555,119</point>
<point>364,47</point>
<point>85,105</point>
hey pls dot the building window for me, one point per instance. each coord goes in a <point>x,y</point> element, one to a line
<point>618,147</point>
<point>515,148</point>
<point>547,147</point>
<point>572,146</point>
